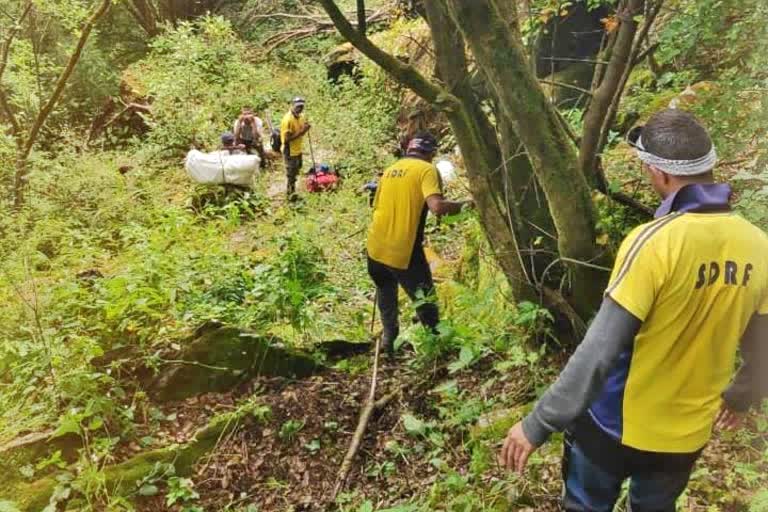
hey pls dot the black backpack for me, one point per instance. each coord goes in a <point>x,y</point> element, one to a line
<point>275,141</point>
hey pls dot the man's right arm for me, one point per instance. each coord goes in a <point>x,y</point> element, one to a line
<point>440,206</point>
<point>750,386</point>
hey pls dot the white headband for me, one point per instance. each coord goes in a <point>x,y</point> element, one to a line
<point>678,167</point>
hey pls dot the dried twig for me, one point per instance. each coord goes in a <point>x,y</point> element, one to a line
<point>317,26</point>
<point>362,424</point>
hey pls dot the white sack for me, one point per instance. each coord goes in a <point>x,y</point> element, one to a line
<point>447,171</point>
<point>220,167</point>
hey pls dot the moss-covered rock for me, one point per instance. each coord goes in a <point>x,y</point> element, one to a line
<point>222,358</point>
<point>28,451</point>
<point>123,478</point>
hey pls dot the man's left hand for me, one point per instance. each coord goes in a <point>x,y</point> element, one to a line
<point>728,419</point>
<point>516,450</point>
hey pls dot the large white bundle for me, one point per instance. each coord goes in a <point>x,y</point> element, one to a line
<point>220,167</point>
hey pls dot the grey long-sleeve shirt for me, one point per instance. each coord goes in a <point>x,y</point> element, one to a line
<point>612,332</point>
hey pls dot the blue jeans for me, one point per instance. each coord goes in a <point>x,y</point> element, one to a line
<point>589,487</point>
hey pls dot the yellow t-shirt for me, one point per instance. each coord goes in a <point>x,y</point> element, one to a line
<point>399,211</point>
<point>695,280</point>
<point>291,123</point>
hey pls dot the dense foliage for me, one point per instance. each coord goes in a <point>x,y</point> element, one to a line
<point>102,261</point>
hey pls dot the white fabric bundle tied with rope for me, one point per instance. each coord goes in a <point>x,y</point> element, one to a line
<point>221,168</point>
<point>677,167</point>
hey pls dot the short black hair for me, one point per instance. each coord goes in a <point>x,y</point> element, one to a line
<point>676,135</point>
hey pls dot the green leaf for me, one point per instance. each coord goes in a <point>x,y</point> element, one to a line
<point>313,446</point>
<point>414,425</point>
<point>68,425</point>
<point>95,423</point>
<point>148,490</point>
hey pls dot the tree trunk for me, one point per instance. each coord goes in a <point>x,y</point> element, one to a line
<point>500,54</point>
<point>26,149</point>
<point>476,137</point>
<point>606,90</point>
<point>145,14</point>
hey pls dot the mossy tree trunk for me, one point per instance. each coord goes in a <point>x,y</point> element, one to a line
<point>496,45</point>
<point>512,155</point>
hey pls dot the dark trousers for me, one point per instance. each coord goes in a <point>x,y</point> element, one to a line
<point>258,147</point>
<point>416,280</point>
<point>293,165</point>
<point>594,468</point>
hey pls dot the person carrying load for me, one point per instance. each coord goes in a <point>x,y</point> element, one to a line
<point>293,127</point>
<point>406,191</point>
<point>642,393</point>
<point>248,129</point>
<point>229,145</point>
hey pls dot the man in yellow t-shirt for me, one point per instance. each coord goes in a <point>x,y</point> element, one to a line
<point>293,127</point>
<point>642,393</point>
<point>405,192</point>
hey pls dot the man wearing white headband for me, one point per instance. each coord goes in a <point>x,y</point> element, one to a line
<point>641,395</point>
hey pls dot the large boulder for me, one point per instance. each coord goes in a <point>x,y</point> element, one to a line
<point>224,357</point>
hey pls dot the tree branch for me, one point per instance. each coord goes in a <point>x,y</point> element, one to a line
<point>64,76</point>
<point>9,39</point>
<point>54,98</point>
<point>603,96</point>
<point>8,112</point>
<point>361,18</point>
<point>6,51</point>
<point>650,18</point>
<point>404,73</point>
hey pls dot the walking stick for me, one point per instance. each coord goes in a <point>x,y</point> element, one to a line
<point>373,312</point>
<point>311,151</point>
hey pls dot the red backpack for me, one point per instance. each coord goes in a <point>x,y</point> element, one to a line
<point>321,179</point>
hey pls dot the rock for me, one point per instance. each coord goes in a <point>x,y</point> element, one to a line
<point>224,357</point>
<point>121,479</point>
<point>342,60</point>
<point>494,425</point>
<point>28,450</point>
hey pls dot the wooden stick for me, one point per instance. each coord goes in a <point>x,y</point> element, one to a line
<point>362,424</point>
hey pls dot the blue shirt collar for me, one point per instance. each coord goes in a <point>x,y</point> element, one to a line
<point>701,198</point>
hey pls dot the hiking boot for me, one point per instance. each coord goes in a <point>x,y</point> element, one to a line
<point>388,347</point>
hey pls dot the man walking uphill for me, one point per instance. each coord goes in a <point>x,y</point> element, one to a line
<point>640,396</point>
<point>395,253</point>
<point>293,127</point>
